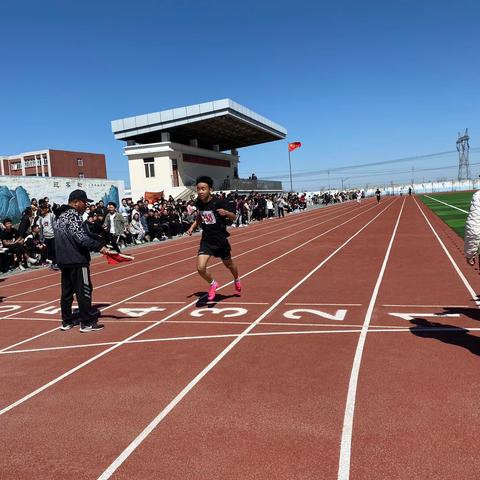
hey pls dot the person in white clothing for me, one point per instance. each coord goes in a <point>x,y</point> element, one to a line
<point>472,230</point>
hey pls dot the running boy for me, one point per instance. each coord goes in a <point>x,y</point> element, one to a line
<point>378,194</point>
<point>213,215</point>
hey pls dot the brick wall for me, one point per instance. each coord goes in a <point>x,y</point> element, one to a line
<point>65,164</point>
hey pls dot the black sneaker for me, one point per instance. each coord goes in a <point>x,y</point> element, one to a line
<point>94,327</point>
<point>66,326</point>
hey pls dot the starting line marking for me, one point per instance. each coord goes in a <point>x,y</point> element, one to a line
<point>258,334</point>
<point>412,316</point>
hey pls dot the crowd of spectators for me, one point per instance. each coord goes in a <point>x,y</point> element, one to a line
<point>31,243</point>
<point>339,197</point>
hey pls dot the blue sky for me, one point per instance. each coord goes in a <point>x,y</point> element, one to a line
<point>355,82</point>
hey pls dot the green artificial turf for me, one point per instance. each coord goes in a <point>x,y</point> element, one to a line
<point>452,217</point>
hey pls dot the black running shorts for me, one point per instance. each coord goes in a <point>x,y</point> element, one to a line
<point>224,252</point>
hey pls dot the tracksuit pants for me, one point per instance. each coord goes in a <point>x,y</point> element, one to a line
<point>76,281</point>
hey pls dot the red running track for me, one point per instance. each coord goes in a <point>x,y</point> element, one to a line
<point>352,353</point>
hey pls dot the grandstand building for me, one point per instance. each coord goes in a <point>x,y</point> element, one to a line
<point>167,150</point>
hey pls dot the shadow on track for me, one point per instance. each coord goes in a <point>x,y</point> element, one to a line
<point>457,336</point>
<point>203,300</point>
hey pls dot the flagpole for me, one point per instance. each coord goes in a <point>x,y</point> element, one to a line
<point>290,166</point>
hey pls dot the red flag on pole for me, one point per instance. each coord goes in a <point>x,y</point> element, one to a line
<point>293,145</point>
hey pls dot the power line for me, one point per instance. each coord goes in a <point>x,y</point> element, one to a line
<point>307,173</point>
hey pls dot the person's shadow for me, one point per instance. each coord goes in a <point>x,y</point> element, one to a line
<point>451,334</point>
<point>203,299</point>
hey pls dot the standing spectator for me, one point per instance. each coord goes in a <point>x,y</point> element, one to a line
<point>124,209</point>
<point>115,225</point>
<point>73,245</point>
<point>281,207</point>
<point>102,209</point>
<point>25,223</point>
<point>47,234</point>
<point>136,228</point>
<point>144,220</point>
<point>270,207</point>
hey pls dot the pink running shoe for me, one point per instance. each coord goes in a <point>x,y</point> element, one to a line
<point>212,291</point>
<point>238,286</point>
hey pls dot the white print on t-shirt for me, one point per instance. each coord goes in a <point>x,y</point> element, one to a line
<point>208,217</point>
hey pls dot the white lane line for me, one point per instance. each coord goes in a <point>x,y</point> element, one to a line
<point>156,303</point>
<point>255,227</point>
<point>326,304</point>
<point>267,231</point>
<point>13,315</point>
<point>258,248</point>
<point>22,301</point>
<point>346,441</point>
<point>154,423</point>
<point>469,288</point>
<point>447,204</point>
<point>129,277</point>
<point>237,303</point>
<point>141,332</point>
<point>255,334</point>
<point>430,306</point>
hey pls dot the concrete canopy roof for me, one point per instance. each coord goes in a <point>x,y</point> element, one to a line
<point>221,122</point>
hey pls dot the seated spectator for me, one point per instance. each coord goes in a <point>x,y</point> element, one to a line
<point>155,229</point>
<point>12,241</point>
<point>34,246</point>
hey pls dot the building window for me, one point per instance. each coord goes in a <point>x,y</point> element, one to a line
<point>149,167</point>
<point>81,175</point>
<point>79,162</point>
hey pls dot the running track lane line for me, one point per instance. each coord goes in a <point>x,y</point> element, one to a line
<point>156,421</point>
<point>469,288</point>
<point>346,440</point>
<point>12,315</point>
<point>325,218</point>
<point>107,270</point>
<point>447,204</point>
<point>141,332</point>
<point>187,244</point>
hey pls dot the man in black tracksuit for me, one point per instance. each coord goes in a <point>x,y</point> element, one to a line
<point>73,245</point>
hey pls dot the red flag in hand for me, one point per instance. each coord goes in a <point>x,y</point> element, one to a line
<point>293,145</point>
<point>114,258</point>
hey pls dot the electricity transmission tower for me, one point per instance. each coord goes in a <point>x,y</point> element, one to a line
<point>463,148</point>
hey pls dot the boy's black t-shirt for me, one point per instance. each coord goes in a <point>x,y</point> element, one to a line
<point>11,235</point>
<point>214,226</point>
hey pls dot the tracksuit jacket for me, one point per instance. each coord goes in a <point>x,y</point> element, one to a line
<point>72,241</point>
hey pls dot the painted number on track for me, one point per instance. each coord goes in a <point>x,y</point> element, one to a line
<point>236,312</point>
<point>298,313</point>
<point>8,308</point>
<point>140,312</point>
<point>49,310</point>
